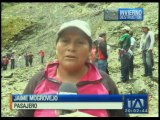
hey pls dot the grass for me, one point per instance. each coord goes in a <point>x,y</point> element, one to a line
<point>12,27</point>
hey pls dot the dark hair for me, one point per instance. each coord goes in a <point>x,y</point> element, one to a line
<point>102,34</point>
<point>94,43</point>
<point>127,31</point>
<point>131,33</point>
<point>146,28</point>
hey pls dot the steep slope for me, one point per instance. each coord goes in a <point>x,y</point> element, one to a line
<point>42,20</point>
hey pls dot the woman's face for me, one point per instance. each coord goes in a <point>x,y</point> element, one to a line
<point>72,48</point>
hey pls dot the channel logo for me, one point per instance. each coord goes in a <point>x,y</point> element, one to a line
<point>135,104</point>
<point>124,14</point>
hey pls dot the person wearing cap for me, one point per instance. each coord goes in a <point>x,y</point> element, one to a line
<point>73,45</point>
<point>146,47</point>
<point>124,42</point>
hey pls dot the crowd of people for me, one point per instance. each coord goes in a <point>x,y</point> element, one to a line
<point>21,60</point>
<point>127,43</point>
<point>99,53</point>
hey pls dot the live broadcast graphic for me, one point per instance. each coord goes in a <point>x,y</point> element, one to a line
<point>79,59</point>
<point>122,14</point>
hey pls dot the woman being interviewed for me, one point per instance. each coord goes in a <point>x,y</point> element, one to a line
<point>73,47</point>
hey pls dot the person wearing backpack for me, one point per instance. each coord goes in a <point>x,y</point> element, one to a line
<point>73,45</point>
<point>124,42</point>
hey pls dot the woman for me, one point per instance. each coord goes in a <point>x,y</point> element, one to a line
<point>73,46</point>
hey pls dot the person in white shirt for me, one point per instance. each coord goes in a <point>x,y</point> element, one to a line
<point>146,47</point>
<point>131,49</point>
<point>20,60</point>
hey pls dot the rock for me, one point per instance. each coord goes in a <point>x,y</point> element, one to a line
<point>9,75</point>
<point>10,83</point>
<point>91,5</point>
<point>143,91</point>
<point>140,86</point>
<point>71,5</point>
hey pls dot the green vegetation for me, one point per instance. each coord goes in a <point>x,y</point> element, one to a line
<point>7,5</point>
<point>12,27</point>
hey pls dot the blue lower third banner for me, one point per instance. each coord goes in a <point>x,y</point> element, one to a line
<point>130,103</point>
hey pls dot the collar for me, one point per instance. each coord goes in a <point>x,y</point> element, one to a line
<point>91,75</point>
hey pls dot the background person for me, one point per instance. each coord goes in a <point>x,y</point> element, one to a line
<point>20,61</point>
<point>41,53</point>
<point>102,52</point>
<point>30,58</point>
<point>12,59</point>
<point>94,54</point>
<point>5,62</point>
<point>146,47</point>
<point>124,42</point>
<point>132,48</point>
<point>26,59</point>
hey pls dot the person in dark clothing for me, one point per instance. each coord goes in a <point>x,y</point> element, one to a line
<point>30,58</point>
<point>124,42</point>
<point>26,59</point>
<point>12,61</point>
<point>5,62</point>
<point>102,52</point>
